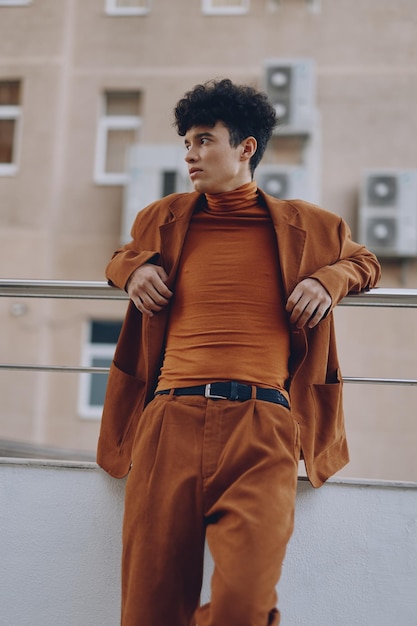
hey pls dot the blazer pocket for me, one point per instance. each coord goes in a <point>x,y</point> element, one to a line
<point>328,413</point>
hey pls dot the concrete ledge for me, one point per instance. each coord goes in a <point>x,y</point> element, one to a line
<point>351,561</point>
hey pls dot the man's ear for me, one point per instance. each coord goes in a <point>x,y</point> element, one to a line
<point>249,146</point>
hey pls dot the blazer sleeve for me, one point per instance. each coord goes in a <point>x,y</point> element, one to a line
<point>355,270</point>
<point>143,248</point>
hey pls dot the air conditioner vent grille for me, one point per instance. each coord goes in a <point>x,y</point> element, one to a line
<point>388,212</point>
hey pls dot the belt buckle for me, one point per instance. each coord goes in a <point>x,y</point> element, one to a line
<point>208,394</point>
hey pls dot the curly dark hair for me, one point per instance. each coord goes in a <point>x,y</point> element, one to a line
<point>242,109</point>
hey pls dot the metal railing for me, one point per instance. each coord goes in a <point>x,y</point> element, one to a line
<point>100,290</point>
<point>58,289</point>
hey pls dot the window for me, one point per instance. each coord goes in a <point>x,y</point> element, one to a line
<point>98,351</point>
<point>10,114</point>
<point>128,7</point>
<point>118,129</point>
<point>225,7</point>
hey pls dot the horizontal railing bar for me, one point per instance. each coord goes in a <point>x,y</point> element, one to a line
<point>406,298</point>
<point>105,370</point>
<point>55,368</point>
<point>89,290</point>
<point>380,381</point>
<point>379,297</point>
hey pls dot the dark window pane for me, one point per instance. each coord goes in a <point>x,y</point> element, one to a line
<point>9,92</point>
<point>7,128</point>
<point>105,331</point>
<point>169,183</point>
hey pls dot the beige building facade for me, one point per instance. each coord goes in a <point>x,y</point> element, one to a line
<point>86,138</point>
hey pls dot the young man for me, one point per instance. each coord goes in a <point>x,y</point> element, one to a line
<point>225,372</point>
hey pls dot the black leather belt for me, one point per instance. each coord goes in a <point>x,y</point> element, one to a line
<point>230,391</point>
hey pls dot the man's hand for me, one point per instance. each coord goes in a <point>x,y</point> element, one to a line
<point>147,289</point>
<point>308,303</point>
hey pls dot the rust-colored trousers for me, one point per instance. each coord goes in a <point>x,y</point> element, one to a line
<point>216,469</point>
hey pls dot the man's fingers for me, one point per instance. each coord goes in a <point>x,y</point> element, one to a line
<point>151,300</point>
<point>147,289</point>
<point>160,285</point>
<point>308,303</point>
<point>303,311</point>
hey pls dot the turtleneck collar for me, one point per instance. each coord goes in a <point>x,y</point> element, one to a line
<point>245,196</point>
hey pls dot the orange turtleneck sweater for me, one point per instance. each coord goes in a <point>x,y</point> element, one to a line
<point>228,320</point>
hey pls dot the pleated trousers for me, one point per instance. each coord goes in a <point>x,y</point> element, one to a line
<point>220,470</point>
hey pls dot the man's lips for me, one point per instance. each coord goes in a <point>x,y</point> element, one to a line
<point>194,171</point>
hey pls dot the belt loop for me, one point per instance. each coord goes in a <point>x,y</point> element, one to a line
<point>253,394</point>
<point>234,393</point>
<point>171,393</point>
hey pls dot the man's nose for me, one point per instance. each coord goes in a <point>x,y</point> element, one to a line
<point>191,155</point>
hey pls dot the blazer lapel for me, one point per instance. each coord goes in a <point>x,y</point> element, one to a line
<point>173,233</point>
<point>290,239</point>
<point>291,242</point>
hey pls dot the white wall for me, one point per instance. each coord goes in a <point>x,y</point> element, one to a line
<point>352,560</point>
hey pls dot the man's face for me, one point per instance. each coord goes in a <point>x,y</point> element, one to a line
<point>214,165</point>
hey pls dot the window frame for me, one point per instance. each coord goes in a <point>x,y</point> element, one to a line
<point>209,9</point>
<point>105,124</point>
<point>114,10</point>
<point>13,113</point>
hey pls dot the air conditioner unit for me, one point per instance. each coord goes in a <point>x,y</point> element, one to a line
<point>290,86</point>
<point>388,212</point>
<point>284,181</point>
<point>154,171</point>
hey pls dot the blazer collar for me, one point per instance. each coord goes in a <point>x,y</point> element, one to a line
<point>282,211</point>
<point>184,205</point>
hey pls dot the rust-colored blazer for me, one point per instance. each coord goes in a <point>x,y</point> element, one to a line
<point>311,243</point>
